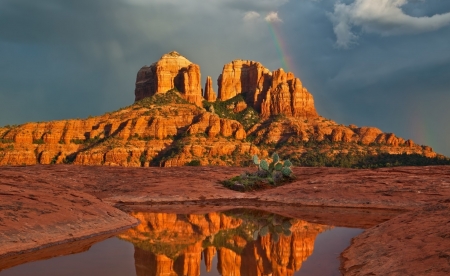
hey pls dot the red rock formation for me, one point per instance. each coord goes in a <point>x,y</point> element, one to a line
<point>171,71</point>
<point>165,133</point>
<point>269,93</point>
<point>210,95</point>
<point>244,76</point>
<point>213,125</point>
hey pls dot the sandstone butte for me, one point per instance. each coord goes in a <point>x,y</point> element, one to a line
<point>171,123</point>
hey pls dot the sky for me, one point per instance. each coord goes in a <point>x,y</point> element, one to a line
<point>381,63</point>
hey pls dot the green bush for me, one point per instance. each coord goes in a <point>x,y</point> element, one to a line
<point>268,175</point>
<point>171,96</point>
<point>247,117</point>
<point>194,162</point>
<point>38,141</point>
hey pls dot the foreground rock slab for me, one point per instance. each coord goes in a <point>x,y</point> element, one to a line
<point>415,243</point>
<point>44,205</point>
<point>36,214</point>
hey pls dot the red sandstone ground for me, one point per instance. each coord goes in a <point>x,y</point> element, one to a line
<point>46,205</point>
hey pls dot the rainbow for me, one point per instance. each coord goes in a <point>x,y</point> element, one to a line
<point>281,48</point>
<point>420,125</point>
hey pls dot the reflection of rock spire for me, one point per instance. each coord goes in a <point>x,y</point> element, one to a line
<point>209,254</point>
<point>169,244</point>
<point>149,264</point>
<point>229,262</point>
<point>188,263</point>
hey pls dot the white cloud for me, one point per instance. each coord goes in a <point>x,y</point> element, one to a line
<point>251,15</point>
<point>384,17</point>
<point>272,17</point>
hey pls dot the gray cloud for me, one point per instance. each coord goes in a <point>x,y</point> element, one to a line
<point>384,17</point>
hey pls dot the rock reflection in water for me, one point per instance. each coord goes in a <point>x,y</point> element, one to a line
<point>246,242</point>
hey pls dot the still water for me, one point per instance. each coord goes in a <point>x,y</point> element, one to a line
<point>236,242</point>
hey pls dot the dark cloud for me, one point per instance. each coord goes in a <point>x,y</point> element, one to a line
<point>397,83</point>
<point>64,59</point>
<point>254,5</point>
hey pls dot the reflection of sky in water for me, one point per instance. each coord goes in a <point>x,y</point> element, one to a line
<point>325,259</point>
<point>118,257</point>
<point>112,257</point>
<point>327,248</point>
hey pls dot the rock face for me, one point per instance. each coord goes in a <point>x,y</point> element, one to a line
<point>171,71</point>
<point>270,93</point>
<point>210,95</point>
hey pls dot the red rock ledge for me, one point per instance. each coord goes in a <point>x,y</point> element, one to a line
<point>46,205</point>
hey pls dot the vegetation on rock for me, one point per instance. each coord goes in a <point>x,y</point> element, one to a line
<point>271,174</point>
<point>170,97</point>
<point>248,117</point>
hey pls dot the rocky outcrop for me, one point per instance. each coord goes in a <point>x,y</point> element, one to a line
<point>174,134</point>
<point>209,95</point>
<point>213,125</point>
<point>270,93</point>
<point>172,71</point>
<point>133,136</point>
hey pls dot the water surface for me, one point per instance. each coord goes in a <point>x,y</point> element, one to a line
<point>236,242</point>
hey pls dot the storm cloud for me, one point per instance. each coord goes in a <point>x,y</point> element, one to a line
<point>67,59</point>
<point>383,17</point>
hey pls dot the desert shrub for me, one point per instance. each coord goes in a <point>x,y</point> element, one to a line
<point>194,162</point>
<point>268,175</point>
<point>171,96</point>
<point>38,141</point>
<point>315,158</point>
<point>77,141</point>
<point>247,117</point>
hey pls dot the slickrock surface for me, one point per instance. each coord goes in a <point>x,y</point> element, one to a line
<point>45,204</point>
<point>414,243</point>
<point>37,213</point>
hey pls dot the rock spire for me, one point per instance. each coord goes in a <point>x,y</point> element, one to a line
<point>172,71</point>
<point>270,93</point>
<point>210,95</point>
